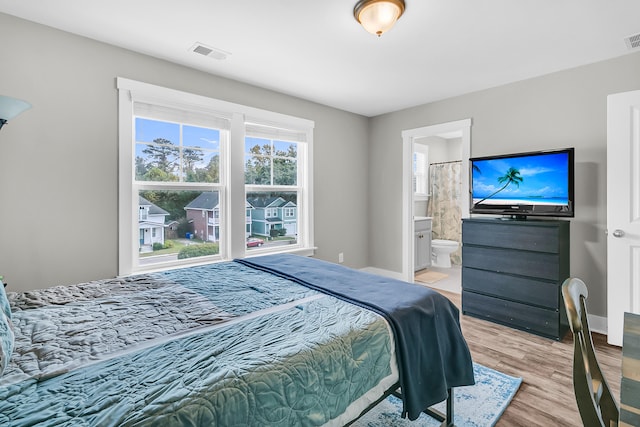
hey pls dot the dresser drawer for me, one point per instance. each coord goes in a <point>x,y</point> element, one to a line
<point>516,288</point>
<point>532,236</point>
<point>522,263</point>
<point>528,318</point>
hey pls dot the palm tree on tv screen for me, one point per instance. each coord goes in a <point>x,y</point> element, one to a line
<point>511,177</point>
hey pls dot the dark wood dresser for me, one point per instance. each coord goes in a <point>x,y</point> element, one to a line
<point>512,272</point>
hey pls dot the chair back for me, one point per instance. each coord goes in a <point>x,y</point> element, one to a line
<point>597,406</point>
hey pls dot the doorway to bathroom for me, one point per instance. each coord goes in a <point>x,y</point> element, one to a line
<point>438,191</point>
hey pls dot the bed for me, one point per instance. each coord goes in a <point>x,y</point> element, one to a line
<point>274,340</point>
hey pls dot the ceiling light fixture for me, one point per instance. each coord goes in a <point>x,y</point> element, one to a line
<point>11,107</point>
<point>378,16</point>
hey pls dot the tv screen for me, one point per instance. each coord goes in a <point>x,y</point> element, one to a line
<point>539,183</point>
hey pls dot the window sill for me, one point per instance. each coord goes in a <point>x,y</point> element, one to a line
<point>298,250</point>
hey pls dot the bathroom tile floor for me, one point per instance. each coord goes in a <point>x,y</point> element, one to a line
<point>451,283</point>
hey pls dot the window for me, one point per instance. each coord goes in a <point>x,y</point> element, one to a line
<point>421,171</point>
<point>166,151</point>
<point>189,165</point>
<point>270,162</point>
<point>274,176</point>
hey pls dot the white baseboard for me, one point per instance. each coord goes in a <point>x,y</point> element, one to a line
<point>597,324</point>
<point>383,272</point>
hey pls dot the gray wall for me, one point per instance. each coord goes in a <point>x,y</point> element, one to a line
<point>58,161</point>
<point>564,109</point>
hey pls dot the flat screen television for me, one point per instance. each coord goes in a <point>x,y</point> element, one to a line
<point>539,183</point>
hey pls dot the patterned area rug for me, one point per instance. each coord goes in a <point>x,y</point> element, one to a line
<point>479,405</point>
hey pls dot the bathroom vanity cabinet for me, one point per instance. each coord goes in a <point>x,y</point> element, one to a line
<point>512,273</point>
<point>422,243</point>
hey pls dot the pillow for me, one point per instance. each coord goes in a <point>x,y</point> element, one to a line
<point>4,302</point>
<point>6,341</point>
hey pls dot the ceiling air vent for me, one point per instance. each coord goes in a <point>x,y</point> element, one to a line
<point>633,42</point>
<point>211,52</point>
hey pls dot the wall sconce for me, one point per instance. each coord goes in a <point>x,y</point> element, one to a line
<point>378,16</point>
<point>10,108</point>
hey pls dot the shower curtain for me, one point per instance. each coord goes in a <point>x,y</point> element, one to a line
<point>444,204</point>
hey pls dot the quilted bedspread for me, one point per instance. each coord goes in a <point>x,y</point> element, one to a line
<point>75,324</point>
<point>432,354</point>
<point>222,344</point>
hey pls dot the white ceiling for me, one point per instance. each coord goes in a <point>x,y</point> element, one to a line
<point>317,51</point>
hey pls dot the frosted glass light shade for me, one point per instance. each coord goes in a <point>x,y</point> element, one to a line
<point>378,16</point>
<point>11,107</point>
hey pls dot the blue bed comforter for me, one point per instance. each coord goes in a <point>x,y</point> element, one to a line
<point>294,367</point>
<point>432,353</point>
<point>217,345</point>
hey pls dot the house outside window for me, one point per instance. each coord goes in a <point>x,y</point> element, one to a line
<point>179,153</point>
<point>275,182</point>
<point>275,229</point>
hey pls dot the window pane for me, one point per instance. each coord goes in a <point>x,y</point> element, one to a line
<point>285,172</point>
<point>149,130</point>
<point>257,146</point>
<point>270,162</point>
<point>257,161</point>
<point>285,149</point>
<point>175,152</point>
<point>285,166</point>
<point>204,138</point>
<point>200,154</point>
<point>177,225</point>
<point>157,152</point>
<point>158,161</point>
<point>201,166</point>
<point>273,219</point>
<point>420,169</point>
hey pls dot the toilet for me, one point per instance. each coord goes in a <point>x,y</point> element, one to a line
<point>441,250</point>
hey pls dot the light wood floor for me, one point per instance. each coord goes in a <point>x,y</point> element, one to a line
<point>545,397</point>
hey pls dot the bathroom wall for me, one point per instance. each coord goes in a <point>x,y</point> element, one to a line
<point>440,150</point>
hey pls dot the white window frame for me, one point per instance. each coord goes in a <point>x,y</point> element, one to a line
<point>423,174</point>
<point>232,187</point>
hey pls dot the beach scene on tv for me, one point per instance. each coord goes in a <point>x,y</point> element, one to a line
<point>524,180</point>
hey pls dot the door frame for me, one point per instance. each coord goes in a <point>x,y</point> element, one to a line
<point>623,211</point>
<point>408,138</point>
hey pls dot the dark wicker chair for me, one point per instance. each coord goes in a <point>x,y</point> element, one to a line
<point>597,406</point>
